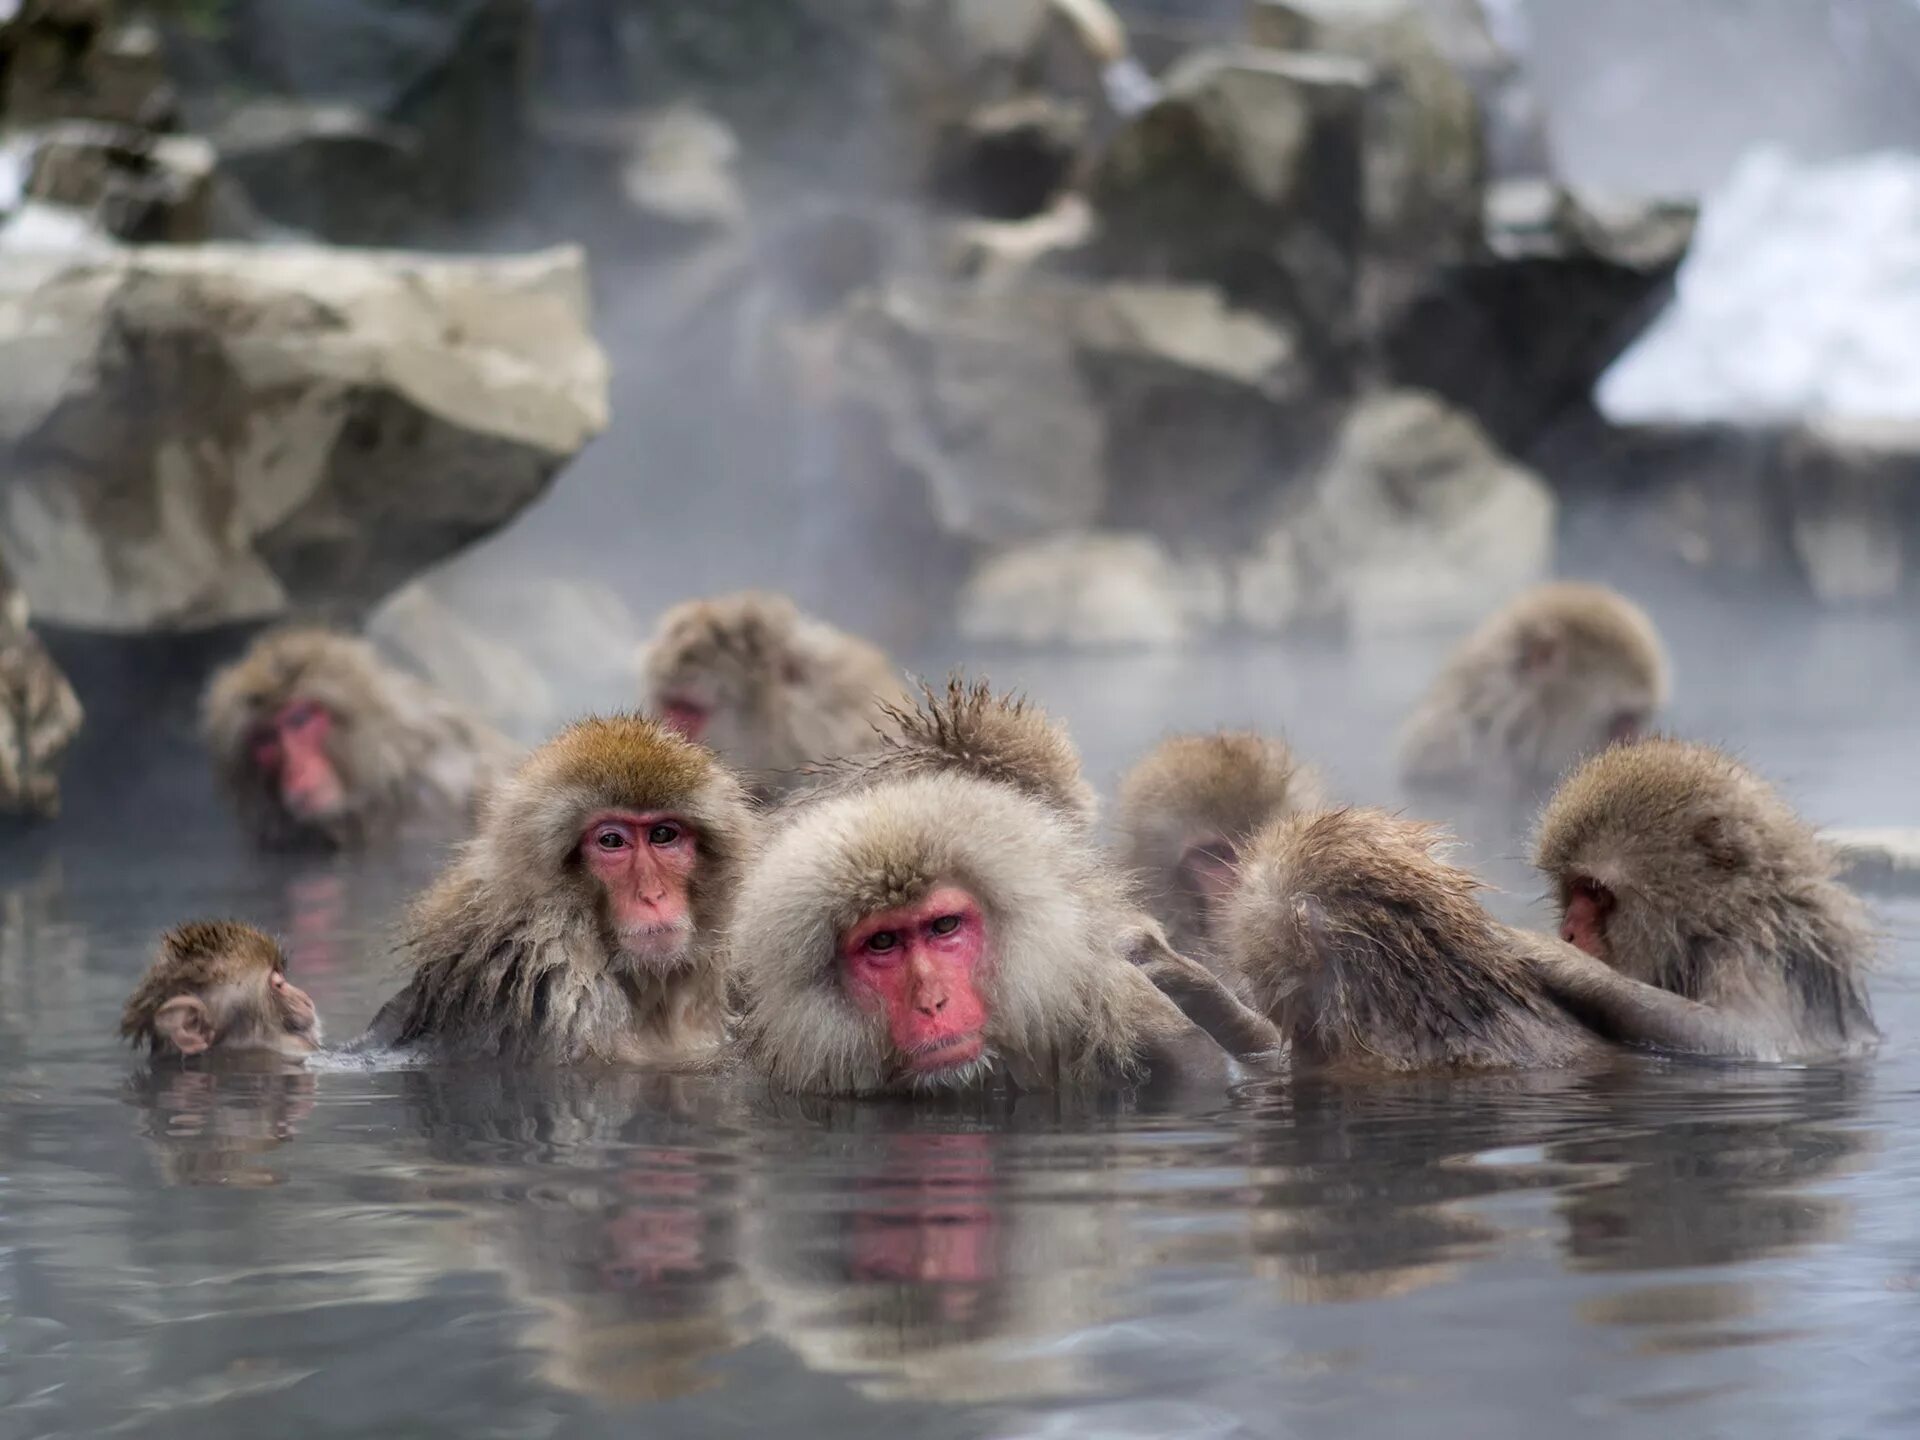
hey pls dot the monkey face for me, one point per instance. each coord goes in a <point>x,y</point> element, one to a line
<point>291,752</point>
<point>261,1013</point>
<point>644,863</point>
<point>916,965</point>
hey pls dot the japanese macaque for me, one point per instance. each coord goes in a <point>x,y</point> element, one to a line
<point>771,691</point>
<point>1189,807</point>
<point>1684,872</point>
<point>1559,673</point>
<point>317,740</point>
<point>939,919</point>
<point>220,988</point>
<point>580,924</point>
<point>1369,952</point>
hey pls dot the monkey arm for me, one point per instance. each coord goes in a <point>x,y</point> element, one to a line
<point>1634,1013</point>
<point>1243,1032</point>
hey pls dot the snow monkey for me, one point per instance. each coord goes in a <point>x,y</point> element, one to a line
<point>769,689</point>
<point>318,740</point>
<point>937,918</point>
<point>580,923</point>
<point>220,988</point>
<point>1186,809</point>
<point>1554,676</point>
<point>1370,953</point>
<point>1685,872</point>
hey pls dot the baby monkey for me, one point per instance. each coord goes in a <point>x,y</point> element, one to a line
<point>1561,672</point>
<point>768,689</point>
<point>1688,876</point>
<point>1188,809</point>
<point>220,988</point>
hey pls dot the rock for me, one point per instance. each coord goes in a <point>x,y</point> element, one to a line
<point>328,170</point>
<point>1000,253</point>
<point>66,61</point>
<point>1247,174</point>
<point>1416,521</point>
<point>39,713</point>
<point>1011,159</point>
<point>133,185</point>
<point>212,434</point>
<point>681,173</point>
<point>1798,299</point>
<point>1566,282</point>
<point>1851,493</point>
<point>1096,591</point>
<point>1883,858</point>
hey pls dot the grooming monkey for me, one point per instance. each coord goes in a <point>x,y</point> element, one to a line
<point>769,689</point>
<point>1189,806</point>
<point>1552,677</point>
<point>1686,874</point>
<point>318,740</point>
<point>220,989</point>
<point>580,924</point>
<point>937,919</point>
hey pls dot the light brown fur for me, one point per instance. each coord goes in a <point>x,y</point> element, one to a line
<point>986,794</point>
<point>402,749</point>
<point>512,952</point>
<point>783,690</point>
<point>1371,953</point>
<point>1210,793</point>
<point>1721,894</point>
<point>1542,683</point>
<point>204,959</point>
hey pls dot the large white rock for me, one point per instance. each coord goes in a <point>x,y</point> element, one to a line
<point>201,435</point>
<point>1799,299</point>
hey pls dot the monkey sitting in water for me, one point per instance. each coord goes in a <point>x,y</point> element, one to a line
<point>1365,952</point>
<point>1689,877</point>
<point>1187,809</point>
<point>768,689</point>
<point>317,740</point>
<point>1559,673</point>
<point>581,923</point>
<point>936,919</point>
<point>220,989</point>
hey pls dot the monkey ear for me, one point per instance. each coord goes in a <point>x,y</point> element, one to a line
<point>183,1022</point>
<point>1538,653</point>
<point>792,671</point>
<point>1311,917</point>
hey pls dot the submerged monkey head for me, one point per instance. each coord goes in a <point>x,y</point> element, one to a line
<point>220,987</point>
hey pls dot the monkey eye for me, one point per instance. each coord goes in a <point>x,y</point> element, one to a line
<point>610,839</point>
<point>882,941</point>
<point>663,834</point>
<point>945,925</point>
<point>301,715</point>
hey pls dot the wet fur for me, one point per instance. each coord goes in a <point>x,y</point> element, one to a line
<point>1722,893</point>
<point>194,958</point>
<point>400,747</point>
<point>786,690</point>
<point>511,953</point>
<point>1487,718</point>
<point>1370,952</point>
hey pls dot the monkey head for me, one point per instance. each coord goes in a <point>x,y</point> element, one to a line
<point>1595,665</point>
<point>714,669</point>
<point>296,728</point>
<point>220,987</point>
<point>908,936</point>
<point>630,827</point>
<point>1660,848</point>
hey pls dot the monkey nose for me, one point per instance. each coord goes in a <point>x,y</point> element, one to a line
<point>931,1004</point>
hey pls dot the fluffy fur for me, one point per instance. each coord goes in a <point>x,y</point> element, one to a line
<point>1212,791</point>
<point>195,958</point>
<point>1537,687</point>
<point>956,799</point>
<point>1722,894</point>
<point>783,690</point>
<point>512,954</point>
<point>401,748</point>
<point>1372,953</point>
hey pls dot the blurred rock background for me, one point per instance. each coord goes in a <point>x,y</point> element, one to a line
<point>959,319</point>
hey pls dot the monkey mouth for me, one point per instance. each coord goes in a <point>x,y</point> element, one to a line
<point>684,717</point>
<point>947,1053</point>
<point>656,944</point>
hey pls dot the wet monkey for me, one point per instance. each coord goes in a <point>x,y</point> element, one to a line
<point>1189,806</point>
<point>1369,953</point>
<point>317,740</point>
<point>1688,876</point>
<point>581,922</point>
<point>1557,674</point>
<point>937,918</point>
<point>767,688</point>
<point>220,989</point>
